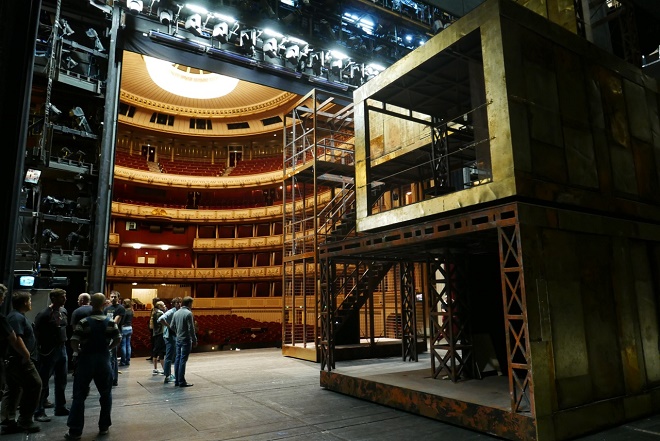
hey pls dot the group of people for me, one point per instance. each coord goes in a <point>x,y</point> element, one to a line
<point>35,352</point>
<point>173,337</point>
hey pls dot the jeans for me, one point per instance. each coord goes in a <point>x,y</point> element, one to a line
<point>170,355</point>
<point>55,362</point>
<point>113,364</point>
<point>126,333</point>
<point>24,385</point>
<point>182,353</point>
<point>91,367</point>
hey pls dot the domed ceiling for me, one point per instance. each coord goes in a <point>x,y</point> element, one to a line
<point>247,102</point>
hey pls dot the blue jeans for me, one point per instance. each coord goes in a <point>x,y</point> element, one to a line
<point>90,367</point>
<point>170,355</point>
<point>55,362</point>
<point>182,353</point>
<point>126,333</point>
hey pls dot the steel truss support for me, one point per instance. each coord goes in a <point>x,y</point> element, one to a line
<point>408,312</point>
<point>515,317</point>
<point>451,345</point>
<point>439,156</point>
<point>327,309</point>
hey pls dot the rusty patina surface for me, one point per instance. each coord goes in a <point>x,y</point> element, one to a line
<point>513,426</point>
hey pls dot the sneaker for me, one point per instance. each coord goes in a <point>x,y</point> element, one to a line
<point>48,405</point>
<point>161,372</point>
<point>71,436</point>
<point>104,431</point>
<point>62,411</point>
<point>42,418</point>
<point>172,377</point>
<point>155,372</point>
<point>186,385</point>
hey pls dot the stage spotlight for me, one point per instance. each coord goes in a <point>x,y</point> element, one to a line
<point>165,16</point>
<point>316,63</point>
<point>79,116</point>
<point>194,25</point>
<point>55,113</point>
<point>135,6</point>
<point>49,235</point>
<point>65,152</point>
<point>270,47</point>
<point>247,39</point>
<point>91,33</point>
<point>438,25</point>
<point>70,63</point>
<point>66,29</point>
<point>292,53</point>
<point>72,240</point>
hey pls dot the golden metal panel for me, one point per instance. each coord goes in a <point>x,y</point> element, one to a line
<point>580,157</point>
<point>646,309</point>
<point>637,111</point>
<point>562,12</point>
<point>622,280</point>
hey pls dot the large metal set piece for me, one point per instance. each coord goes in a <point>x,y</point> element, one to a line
<point>507,175</point>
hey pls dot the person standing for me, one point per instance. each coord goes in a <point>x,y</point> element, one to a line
<point>154,310</point>
<point>116,312</point>
<point>83,310</point>
<point>8,339</point>
<point>186,339</point>
<point>50,331</point>
<point>170,340</point>
<point>23,381</point>
<point>126,333</point>
<point>93,339</point>
<point>158,350</point>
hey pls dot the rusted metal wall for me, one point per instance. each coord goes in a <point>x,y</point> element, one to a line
<point>584,124</point>
<point>592,302</point>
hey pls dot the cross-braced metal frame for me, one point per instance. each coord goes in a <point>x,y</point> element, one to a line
<point>327,308</point>
<point>408,313</point>
<point>440,155</point>
<point>515,319</point>
<point>451,347</point>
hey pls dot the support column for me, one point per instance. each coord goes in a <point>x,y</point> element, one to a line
<point>451,344</point>
<point>408,313</point>
<point>515,320</point>
<point>327,308</point>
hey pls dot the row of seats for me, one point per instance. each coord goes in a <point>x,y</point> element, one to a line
<point>215,330</point>
<point>259,165</point>
<point>192,168</point>
<point>125,159</point>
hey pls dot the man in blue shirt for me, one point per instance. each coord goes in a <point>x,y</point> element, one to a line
<point>183,325</point>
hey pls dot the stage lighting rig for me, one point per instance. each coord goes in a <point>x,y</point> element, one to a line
<point>65,152</point>
<point>72,240</point>
<point>135,6</point>
<point>94,36</point>
<point>66,29</point>
<point>79,117</point>
<point>50,203</point>
<point>49,235</point>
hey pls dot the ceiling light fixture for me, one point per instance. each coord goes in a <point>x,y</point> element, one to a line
<point>204,85</point>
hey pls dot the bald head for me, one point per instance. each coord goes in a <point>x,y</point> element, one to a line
<point>97,301</point>
<point>83,299</point>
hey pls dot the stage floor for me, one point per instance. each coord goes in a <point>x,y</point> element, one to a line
<point>482,405</point>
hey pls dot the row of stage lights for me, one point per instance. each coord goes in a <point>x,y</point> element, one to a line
<point>264,48</point>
